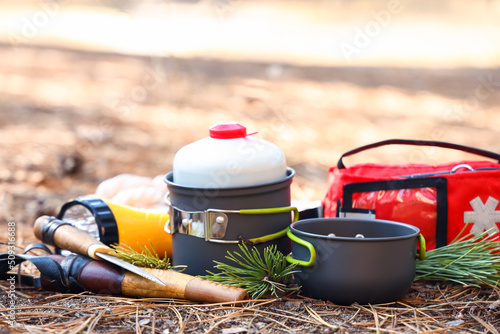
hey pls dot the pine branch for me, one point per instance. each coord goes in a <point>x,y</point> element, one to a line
<point>259,275</point>
<point>146,258</point>
<point>470,260</point>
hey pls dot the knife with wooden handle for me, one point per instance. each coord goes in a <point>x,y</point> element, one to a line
<point>102,277</point>
<point>55,232</point>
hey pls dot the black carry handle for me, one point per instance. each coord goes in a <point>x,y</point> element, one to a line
<point>468,149</point>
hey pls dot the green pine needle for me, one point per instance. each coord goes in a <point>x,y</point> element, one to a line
<point>259,275</point>
<point>146,258</point>
<point>470,260</point>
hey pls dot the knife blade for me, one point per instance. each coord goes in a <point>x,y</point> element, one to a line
<point>55,232</point>
<point>130,267</point>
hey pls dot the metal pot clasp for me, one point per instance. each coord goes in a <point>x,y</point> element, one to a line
<point>208,224</point>
<point>211,224</point>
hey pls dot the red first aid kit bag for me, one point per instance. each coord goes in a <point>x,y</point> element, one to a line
<point>441,200</point>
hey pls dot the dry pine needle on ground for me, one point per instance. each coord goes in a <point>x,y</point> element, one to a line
<point>429,307</point>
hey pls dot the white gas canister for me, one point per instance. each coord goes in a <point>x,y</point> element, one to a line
<point>228,158</point>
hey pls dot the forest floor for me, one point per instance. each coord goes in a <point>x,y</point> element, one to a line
<point>71,118</point>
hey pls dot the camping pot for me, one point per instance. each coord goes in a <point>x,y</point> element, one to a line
<point>348,260</point>
<point>225,189</point>
<point>206,223</point>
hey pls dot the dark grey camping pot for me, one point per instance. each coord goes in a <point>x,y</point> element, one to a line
<point>367,261</point>
<point>206,223</point>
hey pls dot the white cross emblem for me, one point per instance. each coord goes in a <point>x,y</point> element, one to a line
<point>484,215</point>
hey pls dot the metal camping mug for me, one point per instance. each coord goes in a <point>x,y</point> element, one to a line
<point>348,260</point>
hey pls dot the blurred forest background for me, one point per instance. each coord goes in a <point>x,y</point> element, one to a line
<point>92,89</point>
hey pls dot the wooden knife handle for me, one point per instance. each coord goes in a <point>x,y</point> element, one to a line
<point>58,233</point>
<point>104,277</point>
<point>179,285</point>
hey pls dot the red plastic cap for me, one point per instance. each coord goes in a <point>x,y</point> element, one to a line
<point>229,130</point>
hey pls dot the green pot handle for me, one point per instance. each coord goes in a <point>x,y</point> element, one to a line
<point>266,211</point>
<point>304,243</point>
<point>276,235</point>
<point>422,250</point>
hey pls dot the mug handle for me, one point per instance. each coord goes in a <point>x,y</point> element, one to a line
<point>304,243</point>
<point>422,251</point>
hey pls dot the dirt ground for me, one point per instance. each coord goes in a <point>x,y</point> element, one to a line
<point>74,114</point>
<point>72,118</point>
<point>89,116</point>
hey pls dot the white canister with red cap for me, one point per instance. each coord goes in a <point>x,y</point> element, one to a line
<point>229,157</point>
